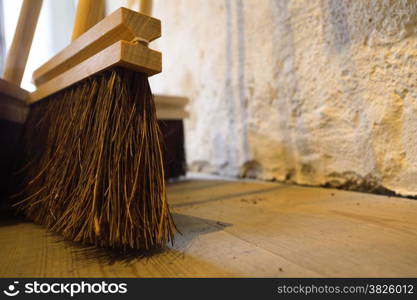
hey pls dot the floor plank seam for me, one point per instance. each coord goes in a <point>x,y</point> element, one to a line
<point>227,197</point>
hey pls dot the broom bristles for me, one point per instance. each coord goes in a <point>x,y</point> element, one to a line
<point>93,166</point>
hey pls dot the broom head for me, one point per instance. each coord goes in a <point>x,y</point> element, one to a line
<point>92,165</point>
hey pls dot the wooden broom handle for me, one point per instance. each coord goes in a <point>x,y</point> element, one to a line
<point>145,7</point>
<point>22,41</point>
<point>89,13</point>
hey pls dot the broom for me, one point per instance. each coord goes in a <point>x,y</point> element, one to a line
<point>92,156</point>
<point>13,108</point>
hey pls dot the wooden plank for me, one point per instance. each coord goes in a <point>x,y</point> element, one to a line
<point>242,229</point>
<point>123,24</point>
<point>51,256</point>
<point>124,54</point>
<point>333,233</point>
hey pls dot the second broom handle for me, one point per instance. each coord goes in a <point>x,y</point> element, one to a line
<point>89,13</point>
<point>22,41</point>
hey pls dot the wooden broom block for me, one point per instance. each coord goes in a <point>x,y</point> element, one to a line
<point>124,24</point>
<point>134,56</point>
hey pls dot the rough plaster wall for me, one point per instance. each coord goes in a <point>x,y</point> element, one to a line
<point>312,92</point>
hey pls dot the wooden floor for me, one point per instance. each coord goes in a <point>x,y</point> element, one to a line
<point>244,229</point>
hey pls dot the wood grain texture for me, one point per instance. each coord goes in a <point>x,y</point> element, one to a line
<point>242,229</point>
<point>123,24</point>
<point>124,54</point>
<point>89,13</point>
<point>22,41</point>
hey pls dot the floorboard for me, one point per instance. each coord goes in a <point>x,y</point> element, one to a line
<point>241,229</point>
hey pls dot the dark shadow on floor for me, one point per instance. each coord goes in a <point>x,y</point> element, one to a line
<point>189,228</point>
<point>9,217</point>
<point>228,196</point>
<point>183,185</point>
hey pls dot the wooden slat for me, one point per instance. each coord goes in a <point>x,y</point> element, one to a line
<point>123,24</point>
<point>133,56</point>
<point>331,233</point>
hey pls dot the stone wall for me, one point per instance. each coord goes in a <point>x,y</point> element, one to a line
<point>310,92</point>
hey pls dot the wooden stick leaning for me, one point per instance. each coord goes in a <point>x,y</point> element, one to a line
<point>12,102</point>
<point>22,41</point>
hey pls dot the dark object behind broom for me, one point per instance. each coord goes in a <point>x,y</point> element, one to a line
<point>171,113</point>
<point>13,108</point>
<point>10,133</point>
<point>174,152</point>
